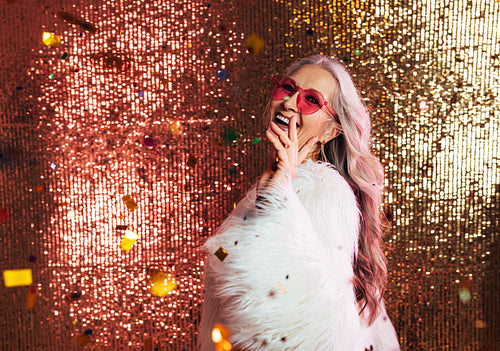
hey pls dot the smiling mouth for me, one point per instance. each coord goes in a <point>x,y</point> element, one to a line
<point>280,119</point>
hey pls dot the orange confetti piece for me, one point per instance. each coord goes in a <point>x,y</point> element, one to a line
<point>176,128</point>
<point>130,203</point>
<point>282,287</point>
<point>30,298</point>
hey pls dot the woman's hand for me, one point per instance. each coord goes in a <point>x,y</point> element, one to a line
<point>288,154</point>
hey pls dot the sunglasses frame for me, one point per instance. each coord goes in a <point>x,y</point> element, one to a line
<point>277,80</point>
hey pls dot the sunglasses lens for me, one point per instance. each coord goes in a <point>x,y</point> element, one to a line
<point>310,101</point>
<point>283,86</point>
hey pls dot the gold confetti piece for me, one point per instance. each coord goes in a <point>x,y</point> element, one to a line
<point>176,128</point>
<point>51,39</point>
<point>128,240</point>
<point>162,283</point>
<point>221,254</point>
<point>282,287</point>
<point>220,337</point>
<point>480,324</point>
<point>17,277</point>
<point>254,44</point>
<point>130,203</point>
<point>30,298</point>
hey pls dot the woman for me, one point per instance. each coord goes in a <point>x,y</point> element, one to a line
<point>298,264</point>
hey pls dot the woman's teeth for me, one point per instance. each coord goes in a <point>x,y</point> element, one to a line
<point>282,120</point>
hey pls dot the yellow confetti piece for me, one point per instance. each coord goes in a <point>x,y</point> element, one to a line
<point>130,203</point>
<point>254,44</point>
<point>128,240</point>
<point>162,283</point>
<point>282,287</point>
<point>51,39</point>
<point>17,277</point>
<point>221,254</point>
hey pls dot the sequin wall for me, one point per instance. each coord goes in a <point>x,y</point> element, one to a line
<point>129,130</point>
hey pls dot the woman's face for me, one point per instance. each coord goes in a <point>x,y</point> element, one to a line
<point>320,123</point>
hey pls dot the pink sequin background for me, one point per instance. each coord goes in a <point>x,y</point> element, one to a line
<point>163,102</point>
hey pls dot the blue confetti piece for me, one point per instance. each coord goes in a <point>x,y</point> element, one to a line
<point>222,74</point>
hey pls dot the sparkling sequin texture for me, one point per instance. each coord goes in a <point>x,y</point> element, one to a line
<point>162,102</point>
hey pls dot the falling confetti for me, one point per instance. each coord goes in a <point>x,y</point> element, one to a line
<point>221,254</point>
<point>30,298</point>
<point>162,283</point>
<point>17,277</point>
<point>130,203</point>
<point>221,337</point>
<point>51,39</point>
<point>84,337</point>
<point>191,162</point>
<point>4,215</point>
<point>254,44</point>
<point>422,105</point>
<point>68,17</point>
<point>128,240</point>
<point>176,128</point>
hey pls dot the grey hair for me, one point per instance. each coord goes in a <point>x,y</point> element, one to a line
<point>350,153</point>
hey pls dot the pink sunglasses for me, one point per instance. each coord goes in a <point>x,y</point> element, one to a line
<point>308,101</point>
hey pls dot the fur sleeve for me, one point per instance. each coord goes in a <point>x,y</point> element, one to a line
<point>282,285</point>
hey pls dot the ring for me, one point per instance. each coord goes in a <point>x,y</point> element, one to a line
<point>274,165</point>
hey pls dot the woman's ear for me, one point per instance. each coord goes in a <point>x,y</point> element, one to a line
<point>332,130</point>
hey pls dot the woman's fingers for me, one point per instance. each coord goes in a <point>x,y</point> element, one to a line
<point>292,129</point>
<point>280,150</point>
<point>276,141</point>
<point>285,140</point>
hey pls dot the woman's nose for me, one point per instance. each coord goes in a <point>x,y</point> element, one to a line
<point>290,102</point>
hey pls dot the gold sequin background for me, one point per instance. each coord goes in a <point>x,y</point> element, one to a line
<point>162,101</point>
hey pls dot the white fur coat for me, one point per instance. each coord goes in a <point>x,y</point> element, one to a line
<point>286,283</point>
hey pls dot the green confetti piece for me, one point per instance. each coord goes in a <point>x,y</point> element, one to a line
<point>51,76</point>
<point>64,55</point>
<point>256,140</point>
<point>230,135</point>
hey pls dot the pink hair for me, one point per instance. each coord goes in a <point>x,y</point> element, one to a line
<point>350,154</point>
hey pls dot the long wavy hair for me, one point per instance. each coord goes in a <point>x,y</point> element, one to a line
<point>350,153</point>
